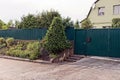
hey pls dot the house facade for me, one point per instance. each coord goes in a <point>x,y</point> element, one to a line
<point>103,11</point>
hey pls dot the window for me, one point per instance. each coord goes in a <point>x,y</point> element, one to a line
<point>116,9</point>
<point>101,11</point>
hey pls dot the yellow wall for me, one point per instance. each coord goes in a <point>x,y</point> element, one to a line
<point>106,19</point>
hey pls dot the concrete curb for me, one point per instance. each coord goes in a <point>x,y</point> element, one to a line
<point>106,58</point>
<point>26,60</point>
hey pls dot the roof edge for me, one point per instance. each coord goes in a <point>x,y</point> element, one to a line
<point>89,11</point>
<point>91,8</point>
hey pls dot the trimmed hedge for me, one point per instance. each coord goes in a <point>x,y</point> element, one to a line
<point>55,39</point>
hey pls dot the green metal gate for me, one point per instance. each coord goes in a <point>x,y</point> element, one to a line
<point>114,47</point>
<point>98,42</point>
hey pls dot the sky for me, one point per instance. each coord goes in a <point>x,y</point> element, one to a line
<point>15,9</point>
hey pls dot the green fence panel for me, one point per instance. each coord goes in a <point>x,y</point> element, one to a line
<point>32,34</point>
<point>114,48</point>
<point>24,34</point>
<point>80,42</point>
<point>98,44</point>
<point>70,33</point>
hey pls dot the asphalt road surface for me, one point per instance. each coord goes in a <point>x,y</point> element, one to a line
<point>84,69</point>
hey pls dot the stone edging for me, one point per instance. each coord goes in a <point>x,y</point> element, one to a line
<point>27,60</point>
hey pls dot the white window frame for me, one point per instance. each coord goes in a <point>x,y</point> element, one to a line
<point>117,10</point>
<point>101,11</point>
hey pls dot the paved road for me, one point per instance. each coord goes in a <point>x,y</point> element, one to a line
<point>85,69</point>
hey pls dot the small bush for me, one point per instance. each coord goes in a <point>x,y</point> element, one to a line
<point>22,44</point>
<point>34,49</point>
<point>52,55</point>
<point>13,51</point>
<point>55,39</point>
<point>116,23</point>
<point>33,46</point>
<point>30,54</point>
<point>2,45</point>
<point>22,54</point>
<point>33,56</point>
<point>3,51</point>
<point>16,53</point>
<point>2,40</point>
<point>86,24</point>
<point>10,41</point>
<point>31,49</point>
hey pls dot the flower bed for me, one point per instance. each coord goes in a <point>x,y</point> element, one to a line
<point>21,49</point>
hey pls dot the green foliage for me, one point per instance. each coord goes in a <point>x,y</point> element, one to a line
<point>67,22</point>
<point>10,41</point>
<point>3,50</point>
<point>34,50</point>
<point>17,23</point>
<point>10,24</point>
<point>31,51</point>
<point>86,24</point>
<point>2,43</point>
<point>2,40</point>
<point>116,23</point>
<point>21,49</point>
<point>3,25</point>
<point>21,45</point>
<point>45,18</point>
<point>77,25</point>
<point>33,46</point>
<point>55,39</point>
<point>33,55</point>
<point>37,21</point>
<point>28,21</point>
<point>41,20</point>
<point>53,55</point>
<point>16,53</point>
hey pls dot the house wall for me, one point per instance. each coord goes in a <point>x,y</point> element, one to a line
<point>106,19</point>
